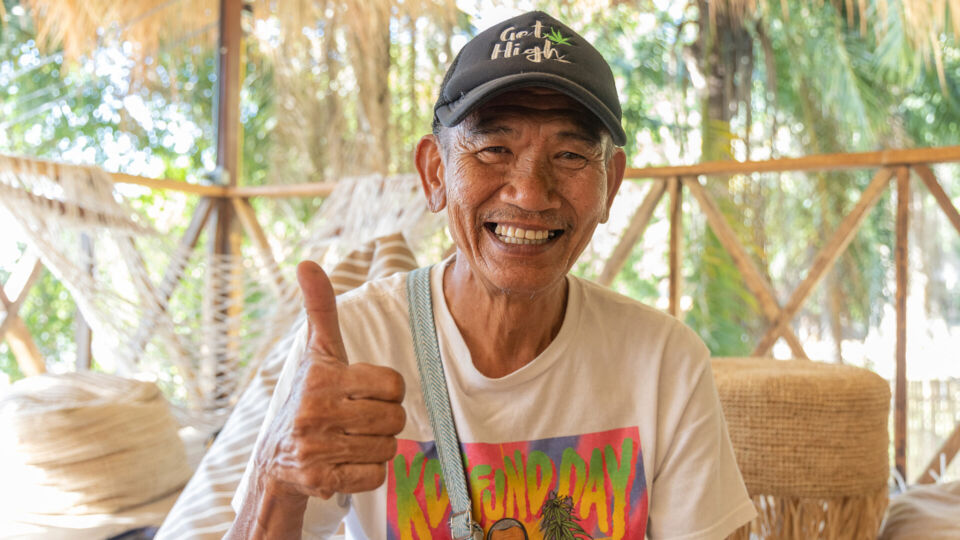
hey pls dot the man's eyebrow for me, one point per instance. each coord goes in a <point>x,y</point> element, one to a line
<point>490,127</point>
<point>580,135</point>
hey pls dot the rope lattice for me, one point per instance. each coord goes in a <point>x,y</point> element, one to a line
<point>140,298</point>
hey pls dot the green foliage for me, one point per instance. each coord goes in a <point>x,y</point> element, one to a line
<point>48,312</point>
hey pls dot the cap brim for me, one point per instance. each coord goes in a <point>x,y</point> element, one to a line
<point>453,113</point>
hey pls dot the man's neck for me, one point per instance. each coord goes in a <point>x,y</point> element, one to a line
<point>503,331</point>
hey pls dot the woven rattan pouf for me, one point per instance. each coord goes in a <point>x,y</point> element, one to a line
<point>86,443</point>
<point>812,444</point>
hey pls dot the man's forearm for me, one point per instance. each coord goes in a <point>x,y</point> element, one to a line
<point>267,515</point>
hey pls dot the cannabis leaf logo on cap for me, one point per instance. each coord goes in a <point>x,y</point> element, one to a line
<point>556,37</point>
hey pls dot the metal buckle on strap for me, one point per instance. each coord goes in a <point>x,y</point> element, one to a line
<point>476,533</point>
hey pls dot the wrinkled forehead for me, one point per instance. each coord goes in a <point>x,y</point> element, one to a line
<point>539,104</point>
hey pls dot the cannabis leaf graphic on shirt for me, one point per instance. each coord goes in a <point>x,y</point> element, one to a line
<point>556,37</point>
<point>557,522</point>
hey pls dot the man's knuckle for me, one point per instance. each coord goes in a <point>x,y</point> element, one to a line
<point>397,419</point>
<point>386,448</point>
<point>392,446</point>
<point>379,474</point>
<point>396,385</point>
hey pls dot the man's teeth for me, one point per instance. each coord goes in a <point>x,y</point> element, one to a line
<point>515,235</point>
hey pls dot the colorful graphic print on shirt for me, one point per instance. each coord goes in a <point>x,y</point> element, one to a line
<point>592,483</point>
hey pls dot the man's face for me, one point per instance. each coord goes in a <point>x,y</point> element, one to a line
<point>525,182</point>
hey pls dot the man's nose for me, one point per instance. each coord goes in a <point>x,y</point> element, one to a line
<point>531,185</point>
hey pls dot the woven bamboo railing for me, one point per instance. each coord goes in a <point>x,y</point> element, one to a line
<point>891,167</point>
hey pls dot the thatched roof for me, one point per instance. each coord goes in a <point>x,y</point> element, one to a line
<point>79,25</point>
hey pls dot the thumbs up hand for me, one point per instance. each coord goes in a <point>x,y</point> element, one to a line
<point>337,429</point>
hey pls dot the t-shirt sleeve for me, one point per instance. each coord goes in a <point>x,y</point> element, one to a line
<point>697,490</point>
<point>322,517</point>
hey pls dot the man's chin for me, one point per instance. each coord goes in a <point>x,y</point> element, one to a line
<point>532,283</point>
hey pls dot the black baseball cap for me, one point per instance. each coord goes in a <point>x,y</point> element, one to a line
<point>532,49</point>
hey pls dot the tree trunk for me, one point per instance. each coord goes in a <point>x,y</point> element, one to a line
<point>721,314</point>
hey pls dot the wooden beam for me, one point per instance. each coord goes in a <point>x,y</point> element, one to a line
<point>638,223</point>
<point>24,275</point>
<point>12,328</point>
<point>823,162</point>
<point>926,174</point>
<point>248,218</point>
<point>24,349</point>
<point>901,255</point>
<point>825,259</point>
<point>758,285</point>
<point>228,89</point>
<point>948,451</point>
<point>223,293</point>
<point>312,189</point>
<point>170,185</point>
<point>675,188</point>
<point>23,164</point>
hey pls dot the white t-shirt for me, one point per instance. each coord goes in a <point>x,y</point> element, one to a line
<point>617,423</point>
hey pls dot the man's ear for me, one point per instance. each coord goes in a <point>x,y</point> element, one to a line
<point>616,167</point>
<point>429,159</point>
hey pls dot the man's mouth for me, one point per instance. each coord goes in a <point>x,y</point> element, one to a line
<point>510,234</point>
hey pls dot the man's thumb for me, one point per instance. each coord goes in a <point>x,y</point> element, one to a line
<point>323,327</point>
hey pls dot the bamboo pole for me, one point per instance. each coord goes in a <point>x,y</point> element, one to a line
<point>823,162</point>
<point>312,189</point>
<point>638,223</point>
<point>224,295</point>
<point>948,450</point>
<point>928,178</point>
<point>951,445</point>
<point>248,218</point>
<point>759,287</point>
<point>24,275</point>
<point>170,185</point>
<point>825,258</point>
<point>24,348</point>
<point>901,254</point>
<point>675,188</point>
<point>12,328</point>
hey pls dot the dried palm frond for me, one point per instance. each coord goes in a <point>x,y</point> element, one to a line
<point>336,61</point>
<point>923,20</point>
<point>79,26</point>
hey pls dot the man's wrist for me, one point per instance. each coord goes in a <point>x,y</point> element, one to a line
<point>279,508</point>
<point>269,512</point>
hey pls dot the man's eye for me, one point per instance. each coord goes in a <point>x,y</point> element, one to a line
<point>571,156</point>
<point>495,150</point>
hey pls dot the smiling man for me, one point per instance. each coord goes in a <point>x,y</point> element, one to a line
<point>577,410</point>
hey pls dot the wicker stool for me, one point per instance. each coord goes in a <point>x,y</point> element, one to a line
<point>811,441</point>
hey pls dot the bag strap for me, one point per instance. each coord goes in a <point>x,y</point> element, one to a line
<point>434,388</point>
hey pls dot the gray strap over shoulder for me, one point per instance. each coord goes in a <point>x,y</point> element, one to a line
<point>434,388</point>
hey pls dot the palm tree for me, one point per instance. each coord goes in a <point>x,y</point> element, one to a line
<point>842,71</point>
